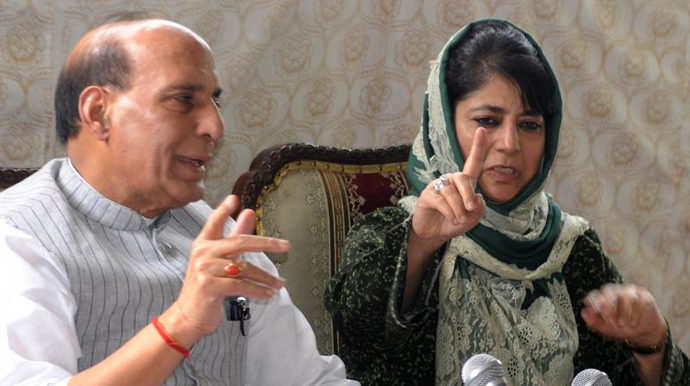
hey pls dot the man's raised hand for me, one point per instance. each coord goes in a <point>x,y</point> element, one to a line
<point>207,282</point>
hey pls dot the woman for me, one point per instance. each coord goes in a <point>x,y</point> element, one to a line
<point>479,259</point>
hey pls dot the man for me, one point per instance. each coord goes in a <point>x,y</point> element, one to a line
<point>97,246</point>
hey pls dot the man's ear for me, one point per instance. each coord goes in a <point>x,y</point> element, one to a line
<point>93,108</point>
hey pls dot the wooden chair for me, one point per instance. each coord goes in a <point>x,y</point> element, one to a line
<point>311,196</point>
<point>10,176</point>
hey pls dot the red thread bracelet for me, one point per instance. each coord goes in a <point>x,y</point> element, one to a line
<point>170,341</point>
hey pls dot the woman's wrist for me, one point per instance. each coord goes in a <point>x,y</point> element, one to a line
<point>424,246</point>
<point>650,344</point>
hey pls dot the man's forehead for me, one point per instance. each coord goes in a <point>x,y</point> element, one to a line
<point>165,49</point>
<point>142,38</point>
<point>150,37</point>
<point>176,78</point>
<point>148,28</point>
<point>165,37</point>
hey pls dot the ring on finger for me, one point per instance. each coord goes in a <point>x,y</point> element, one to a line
<point>440,183</point>
<point>232,270</point>
<point>437,186</point>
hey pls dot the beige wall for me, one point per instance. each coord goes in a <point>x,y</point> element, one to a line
<point>352,73</point>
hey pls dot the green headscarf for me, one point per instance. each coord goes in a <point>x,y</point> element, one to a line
<point>441,154</point>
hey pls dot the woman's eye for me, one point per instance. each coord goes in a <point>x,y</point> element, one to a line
<point>486,122</point>
<point>530,126</point>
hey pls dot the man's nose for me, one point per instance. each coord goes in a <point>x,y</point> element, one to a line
<point>211,125</point>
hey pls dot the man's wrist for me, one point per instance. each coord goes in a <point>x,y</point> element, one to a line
<point>179,328</point>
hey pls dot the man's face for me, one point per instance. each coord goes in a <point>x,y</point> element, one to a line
<point>163,129</point>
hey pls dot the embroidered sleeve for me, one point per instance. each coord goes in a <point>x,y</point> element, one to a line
<point>376,341</point>
<point>589,268</point>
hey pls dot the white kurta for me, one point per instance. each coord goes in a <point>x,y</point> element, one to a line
<point>40,345</point>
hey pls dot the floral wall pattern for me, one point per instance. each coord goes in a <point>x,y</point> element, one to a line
<point>352,73</point>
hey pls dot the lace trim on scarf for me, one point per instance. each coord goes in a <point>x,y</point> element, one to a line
<point>483,315</point>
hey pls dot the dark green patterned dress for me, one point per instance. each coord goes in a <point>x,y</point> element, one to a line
<point>381,347</point>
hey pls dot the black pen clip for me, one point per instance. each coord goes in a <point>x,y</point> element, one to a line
<point>237,308</point>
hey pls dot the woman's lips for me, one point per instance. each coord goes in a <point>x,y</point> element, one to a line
<point>503,173</point>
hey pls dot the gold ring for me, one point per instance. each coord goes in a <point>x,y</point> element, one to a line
<point>232,270</point>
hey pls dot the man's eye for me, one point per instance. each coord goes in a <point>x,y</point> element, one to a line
<point>186,99</point>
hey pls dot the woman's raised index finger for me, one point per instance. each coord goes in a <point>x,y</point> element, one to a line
<point>475,160</point>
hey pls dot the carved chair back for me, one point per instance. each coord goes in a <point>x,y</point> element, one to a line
<point>312,195</point>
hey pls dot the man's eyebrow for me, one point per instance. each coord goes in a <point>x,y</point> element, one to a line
<point>191,88</point>
<point>184,87</point>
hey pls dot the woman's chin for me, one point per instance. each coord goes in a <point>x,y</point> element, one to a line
<point>501,196</point>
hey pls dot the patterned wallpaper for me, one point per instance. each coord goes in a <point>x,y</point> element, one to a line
<point>352,73</point>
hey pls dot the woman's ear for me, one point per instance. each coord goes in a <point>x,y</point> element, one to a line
<point>93,108</point>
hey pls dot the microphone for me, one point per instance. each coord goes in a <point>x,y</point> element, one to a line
<point>591,377</point>
<point>483,370</point>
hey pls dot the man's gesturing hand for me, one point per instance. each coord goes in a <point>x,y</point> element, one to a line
<point>206,282</point>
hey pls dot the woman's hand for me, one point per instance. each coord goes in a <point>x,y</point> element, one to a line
<point>625,312</point>
<point>455,208</point>
<point>447,207</point>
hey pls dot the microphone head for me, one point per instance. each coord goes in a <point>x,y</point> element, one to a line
<point>591,377</point>
<point>483,370</point>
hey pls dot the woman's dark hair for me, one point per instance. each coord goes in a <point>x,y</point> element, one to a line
<point>496,47</point>
<point>109,65</point>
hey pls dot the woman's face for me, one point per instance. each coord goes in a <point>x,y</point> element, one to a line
<point>515,137</point>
